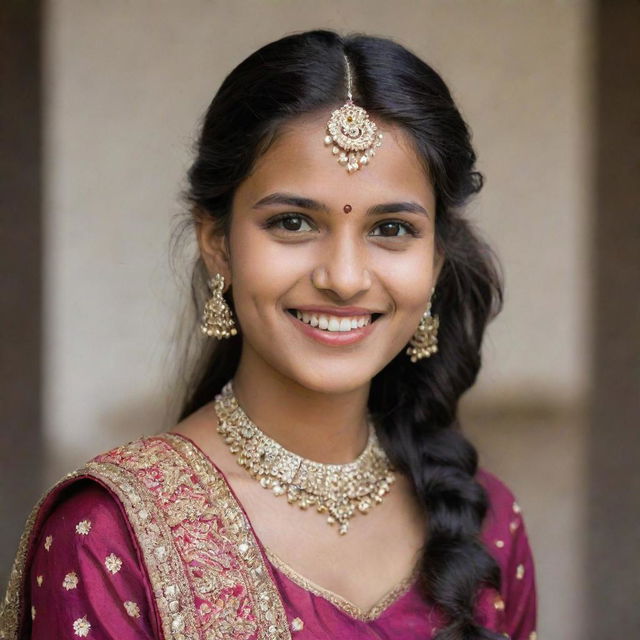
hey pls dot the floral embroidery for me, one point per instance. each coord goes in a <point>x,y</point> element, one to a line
<point>191,529</point>
<point>513,526</point>
<point>520,571</point>
<point>81,627</point>
<point>70,581</point>
<point>132,609</point>
<point>83,527</point>
<point>499,544</point>
<point>297,624</point>
<point>33,612</point>
<point>113,563</point>
<point>47,542</point>
<point>228,531</point>
<point>39,580</point>
<point>516,507</point>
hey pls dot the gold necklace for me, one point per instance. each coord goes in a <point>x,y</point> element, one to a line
<point>341,490</point>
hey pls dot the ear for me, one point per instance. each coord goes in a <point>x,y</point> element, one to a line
<point>214,249</point>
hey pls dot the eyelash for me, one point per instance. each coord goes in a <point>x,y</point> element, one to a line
<point>272,222</point>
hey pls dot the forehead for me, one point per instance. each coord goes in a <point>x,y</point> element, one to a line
<point>300,162</point>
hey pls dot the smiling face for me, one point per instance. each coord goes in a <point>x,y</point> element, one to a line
<point>292,246</point>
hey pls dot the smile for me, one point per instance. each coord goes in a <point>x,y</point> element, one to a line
<point>333,330</point>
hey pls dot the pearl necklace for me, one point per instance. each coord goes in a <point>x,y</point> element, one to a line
<point>341,490</point>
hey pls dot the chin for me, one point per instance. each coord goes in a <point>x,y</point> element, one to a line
<point>331,379</point>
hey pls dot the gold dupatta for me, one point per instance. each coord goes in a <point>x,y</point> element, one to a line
<point>195,538</point>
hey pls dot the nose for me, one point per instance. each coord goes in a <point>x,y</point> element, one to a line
<point>343,267</point>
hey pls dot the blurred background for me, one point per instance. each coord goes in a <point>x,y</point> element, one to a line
<point>100,104</point>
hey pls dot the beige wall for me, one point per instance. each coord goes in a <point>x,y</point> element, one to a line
<point>125,84</point>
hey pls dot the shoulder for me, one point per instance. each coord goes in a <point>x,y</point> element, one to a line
<point>503,503</point>
<point>85,497</point>
<point>503,530</point>
<point>83,516</point>
<point>88,508</point>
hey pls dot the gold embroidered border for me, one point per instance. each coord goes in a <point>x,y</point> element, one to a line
<point>342,603</point>
<point>169,584</point>
<point>236,539</point>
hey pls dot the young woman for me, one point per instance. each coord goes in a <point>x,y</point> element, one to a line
<point>318,484</point>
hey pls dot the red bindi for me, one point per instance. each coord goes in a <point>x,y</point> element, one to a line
<point>346,208</point>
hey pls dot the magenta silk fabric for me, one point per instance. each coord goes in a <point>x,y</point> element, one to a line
<point>88,579</point>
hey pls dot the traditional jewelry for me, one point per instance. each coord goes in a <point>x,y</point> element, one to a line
<point>351,132</point>
<point>341,490</point>
<point>424,342</point>
<point>347,208</point>
<point>217,319</point>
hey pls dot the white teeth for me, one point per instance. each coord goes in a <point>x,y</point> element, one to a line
<point>332,323</point>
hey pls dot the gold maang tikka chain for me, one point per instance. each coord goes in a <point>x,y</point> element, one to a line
<point>340,490</point>
<point>353,136</point>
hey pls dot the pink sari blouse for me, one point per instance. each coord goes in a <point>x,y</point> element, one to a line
<point>88,569</point>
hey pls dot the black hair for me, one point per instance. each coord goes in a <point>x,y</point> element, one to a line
<point>414,405</point>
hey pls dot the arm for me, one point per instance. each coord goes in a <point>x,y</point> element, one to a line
<point>86,578</point>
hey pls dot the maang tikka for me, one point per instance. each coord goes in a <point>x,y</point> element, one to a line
<point>216,315</point>
<point>352,133</point>
<point>424,342</point>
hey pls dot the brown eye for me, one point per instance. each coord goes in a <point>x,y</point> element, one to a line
<point>288,222</point>
<point>388,229</point>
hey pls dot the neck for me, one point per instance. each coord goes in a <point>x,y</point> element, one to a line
<point>324,427</point>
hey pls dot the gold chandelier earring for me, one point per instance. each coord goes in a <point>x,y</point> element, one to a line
<point>217,320</point>
<point>424,342</point>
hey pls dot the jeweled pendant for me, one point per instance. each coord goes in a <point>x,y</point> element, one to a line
<point>352,135</point>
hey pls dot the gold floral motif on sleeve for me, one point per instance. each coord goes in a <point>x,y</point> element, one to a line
<point>132,609</point>
<point>81,627</point>
<point>70,581</point>
<point>83,527</point>
<point>113,563</point>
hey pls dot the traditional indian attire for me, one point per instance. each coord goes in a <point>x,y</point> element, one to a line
<point>149,541</point>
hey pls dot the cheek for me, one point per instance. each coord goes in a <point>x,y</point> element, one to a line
<point>409,278</point>
<point>262,272</point>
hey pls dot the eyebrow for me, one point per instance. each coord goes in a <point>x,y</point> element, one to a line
<point>293,200</point>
